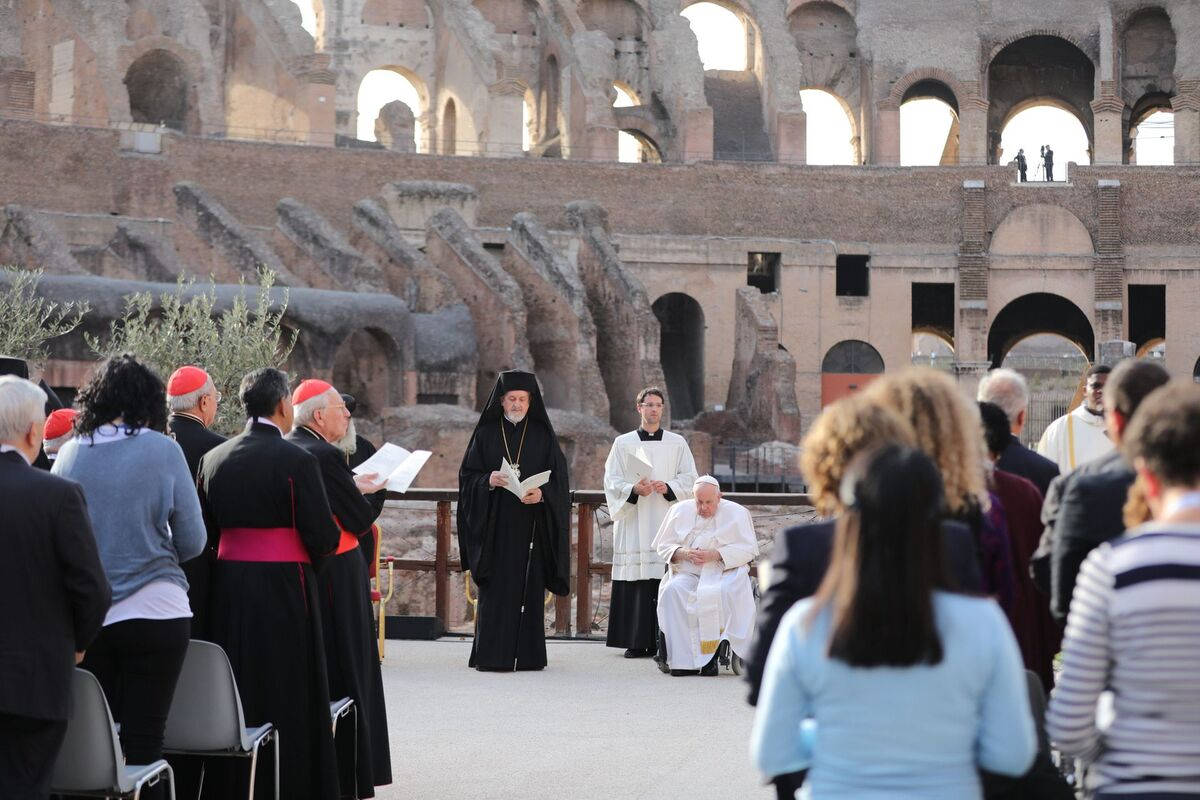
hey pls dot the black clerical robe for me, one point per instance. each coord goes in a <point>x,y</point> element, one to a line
<point>195,439</point>
<point>351,654</point>
<point>254,489</point>
<point>495,532</point>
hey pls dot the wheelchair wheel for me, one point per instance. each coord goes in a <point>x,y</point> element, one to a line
<point>736,664</point>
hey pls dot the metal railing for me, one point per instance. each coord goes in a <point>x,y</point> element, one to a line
<point>584,503</point>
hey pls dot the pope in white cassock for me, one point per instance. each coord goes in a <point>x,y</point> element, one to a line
<point>705,597</point>
<point>1076,438</point>
<point>647,471</point>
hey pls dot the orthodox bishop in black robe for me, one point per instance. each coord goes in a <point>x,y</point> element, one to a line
<point>351,654</point>
<point>515,551</point>
<point>195,439</point>
<point>264,503</point>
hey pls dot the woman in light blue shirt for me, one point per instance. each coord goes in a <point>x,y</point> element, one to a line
<point>885,684</point>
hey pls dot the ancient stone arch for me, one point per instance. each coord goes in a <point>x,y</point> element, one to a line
<point>1041,229</point>
<point>1039,312</point>
<point>367,365</point>
<point>847,367</point>
<point>162,92</point>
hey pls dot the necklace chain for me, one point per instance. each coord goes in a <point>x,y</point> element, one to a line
<point>521,446</point>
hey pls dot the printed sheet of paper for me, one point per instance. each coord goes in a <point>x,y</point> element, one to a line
<point>398,465</point>
<point>521,487</point>
<point>638,465</point>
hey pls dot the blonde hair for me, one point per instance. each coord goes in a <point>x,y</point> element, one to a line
<point>851,426</point>
<point>947,428</point>
<point>1136,510</point>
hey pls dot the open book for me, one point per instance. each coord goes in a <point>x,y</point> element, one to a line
<point>397,465</point>
<point>638,465</point>
<point>521,487</point>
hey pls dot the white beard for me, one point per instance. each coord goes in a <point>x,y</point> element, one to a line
<point>348,444</point>
<point>514,420</point>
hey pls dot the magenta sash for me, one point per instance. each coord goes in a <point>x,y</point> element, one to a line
<point>262,544</point>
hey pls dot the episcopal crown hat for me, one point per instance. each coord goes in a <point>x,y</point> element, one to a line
<point>59,423</point>
<point>186,380</point>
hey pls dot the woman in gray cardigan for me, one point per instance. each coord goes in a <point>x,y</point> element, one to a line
<point>146,517</point>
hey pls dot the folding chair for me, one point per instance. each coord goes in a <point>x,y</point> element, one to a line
<point>90,762</point>
<point>378,598</point>
<point>206,716</point>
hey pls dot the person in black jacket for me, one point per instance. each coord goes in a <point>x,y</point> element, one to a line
<point>54,591</point>
<point>1083,509</point>
<point>850,426</point>
<point>192,399</point>
<point>351,655</point>
<point>1007,388</point>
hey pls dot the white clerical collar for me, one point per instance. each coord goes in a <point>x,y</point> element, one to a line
<point>265,421</point>
<point>8,448</point>
<point>111,433</point>
<point>1088,418</point>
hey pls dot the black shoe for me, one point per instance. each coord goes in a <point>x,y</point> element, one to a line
<point>679,673</point>
<point>709,670</point>
<point>638,652</point>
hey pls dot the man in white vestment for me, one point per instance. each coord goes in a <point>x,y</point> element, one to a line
<point>1080,436</point>
<point>705,598</point>
<point>647,471</point>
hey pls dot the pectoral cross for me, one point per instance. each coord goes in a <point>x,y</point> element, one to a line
<point>517,470</point>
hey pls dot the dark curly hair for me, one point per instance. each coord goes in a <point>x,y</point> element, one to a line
<point>126,388</point>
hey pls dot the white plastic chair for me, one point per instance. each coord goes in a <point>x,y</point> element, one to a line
<point>206,718</point>
<point>90,762</point>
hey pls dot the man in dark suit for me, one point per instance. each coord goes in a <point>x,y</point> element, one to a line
<point>20,367</point>
<point>192,399</point>
<point>1007,388</point>
<point>53,589</point>
<point>1084,507</point>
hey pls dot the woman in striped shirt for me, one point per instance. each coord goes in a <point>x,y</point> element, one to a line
<point>1134,624</point>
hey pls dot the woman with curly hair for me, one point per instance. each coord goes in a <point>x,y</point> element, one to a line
<point>844,430</point>
<point>146,517</point>
<point>949,431</point>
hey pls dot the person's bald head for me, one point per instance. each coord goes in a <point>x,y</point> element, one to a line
<point>707,495</point>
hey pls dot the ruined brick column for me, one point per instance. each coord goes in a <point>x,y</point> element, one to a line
<point>1107,111</point>
<point>1186,105</point>
<point>318,96</point>
<point>886,149</point>
<point>971,331</point>
<point>972,128</point>
<point>1110,265</point>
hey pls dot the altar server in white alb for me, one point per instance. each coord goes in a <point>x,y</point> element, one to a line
<point>1076,438</point>
<point>647,471</point>
<point>705,598</point>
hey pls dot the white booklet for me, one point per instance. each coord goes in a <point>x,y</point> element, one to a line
<point>521,487</point>
<point>397,465</point>
<point>638,465</point>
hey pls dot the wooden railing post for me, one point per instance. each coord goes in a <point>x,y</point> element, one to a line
<point>583,572</point>
<point>441,566</point>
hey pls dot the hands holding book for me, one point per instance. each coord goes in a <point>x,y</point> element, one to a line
<point>531,497</point>
<point>646,487</point>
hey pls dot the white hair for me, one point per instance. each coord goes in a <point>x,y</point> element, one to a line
<point>1006,388</point>
<point>306,412</point>
<point>22,404</point>
<point>52,446</point>
<point>186,402</point>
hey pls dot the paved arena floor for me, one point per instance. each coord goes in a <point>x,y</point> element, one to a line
<point>591,725</point>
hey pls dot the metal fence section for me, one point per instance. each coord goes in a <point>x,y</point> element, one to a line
<point>1044,408</point>
<point>767,467</point>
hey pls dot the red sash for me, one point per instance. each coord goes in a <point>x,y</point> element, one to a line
<point>347,543</point>
<point>262,544</point>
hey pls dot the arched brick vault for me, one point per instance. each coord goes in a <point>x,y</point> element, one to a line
<point>896,95</point>
<point>1088,48</point>
<point>1034,313</point>
<point>844,5</point>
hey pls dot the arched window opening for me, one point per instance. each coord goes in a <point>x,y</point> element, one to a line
<point>928,125</point>
<point>449,128</point>
<point>380,87</point>
<point>848,367</point>
<point>1153,139</point>
<point>1040,125</point>
<point>681,351</point>
<point>160,92</point>
<point>720,36</point>
<point>830,131</point>
<point>931,349</point>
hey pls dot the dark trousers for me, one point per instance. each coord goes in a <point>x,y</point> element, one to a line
<point>28,748</point>
<point>138,663</point>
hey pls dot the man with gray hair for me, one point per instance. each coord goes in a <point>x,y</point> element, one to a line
<point>54,589</point>
<point>1007,388</point>
<point>705,601</point>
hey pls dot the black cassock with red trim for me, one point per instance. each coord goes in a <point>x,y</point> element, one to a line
<point>265,505</point>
